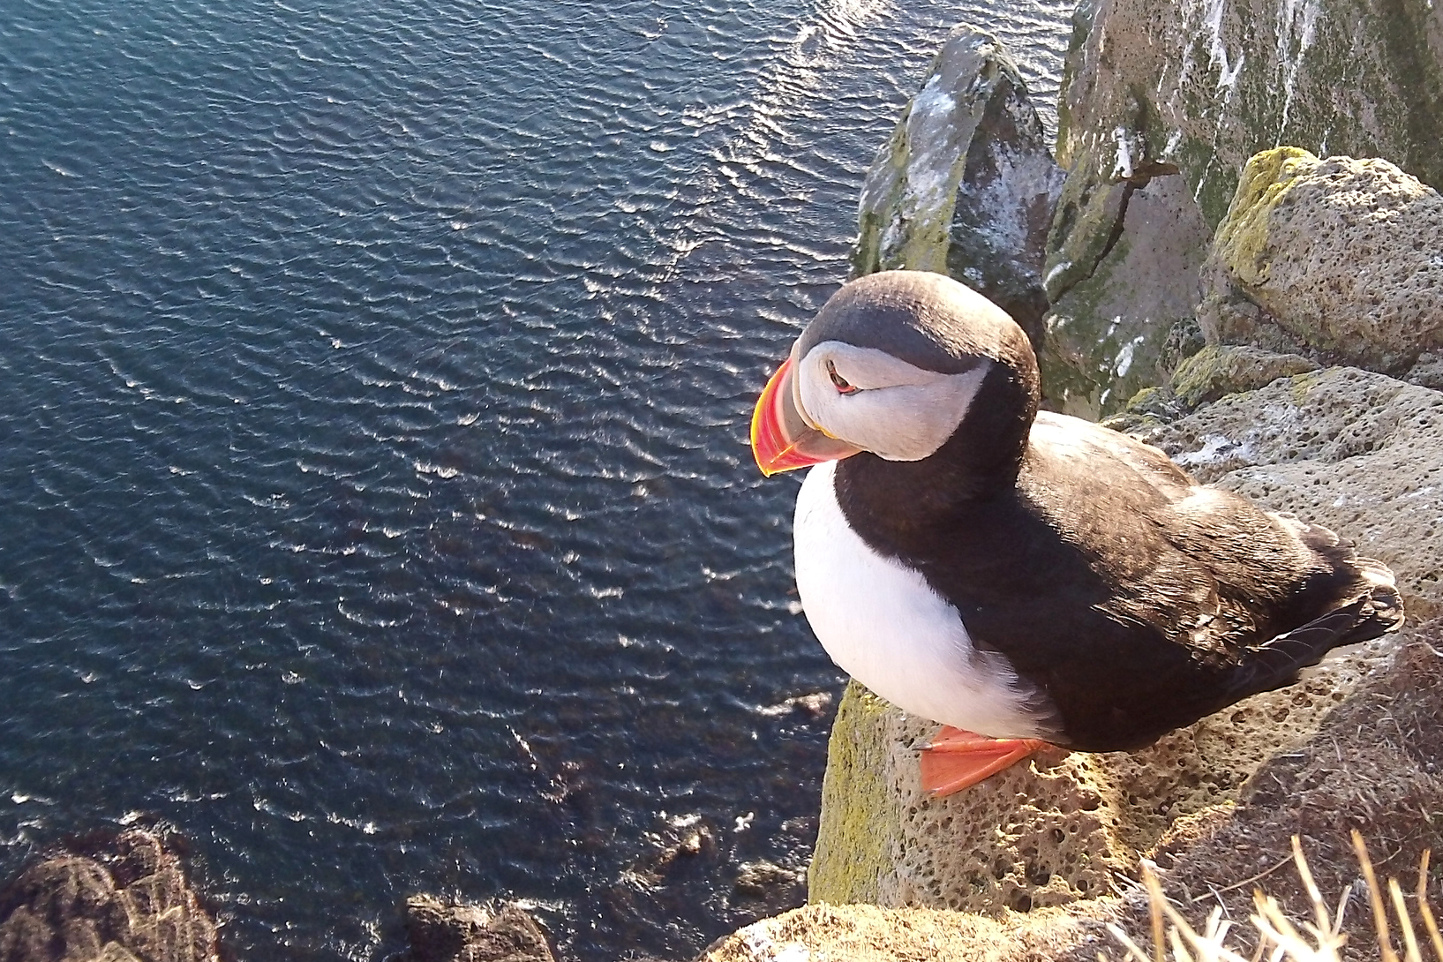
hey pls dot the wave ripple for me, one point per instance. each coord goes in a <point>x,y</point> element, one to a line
<point>374,389</point>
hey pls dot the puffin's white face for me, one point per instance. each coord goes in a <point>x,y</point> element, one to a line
<point>881,403</point>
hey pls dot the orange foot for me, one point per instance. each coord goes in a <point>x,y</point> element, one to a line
<point>958,759</point>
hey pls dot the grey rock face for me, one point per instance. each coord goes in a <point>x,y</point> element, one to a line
<point>1342,258</point>
<point>114,898</point>
<point>1198,86</point>
<point>1118,330</point>
<point>966,184</point>
<point>1183,92</point>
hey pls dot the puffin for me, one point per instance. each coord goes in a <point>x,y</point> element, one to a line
<point>1021,577</point>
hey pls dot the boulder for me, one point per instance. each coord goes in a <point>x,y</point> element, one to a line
<point>111,897</point>
<point>965,185</point>
<point>1338,258</point>
<point>459,932</point>
<point>1219,370</point>
<point>767,887</point>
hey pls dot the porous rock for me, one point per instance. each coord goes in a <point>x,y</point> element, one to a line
<point>1343,258</point>
<point>966,184</point>
<point>1356,451</point>
<point>106,897</point>
<point>459,932</point>
<point>867,933</point>
<point>1375,765</point>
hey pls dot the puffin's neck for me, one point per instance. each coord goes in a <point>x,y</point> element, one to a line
<point>980,461</point>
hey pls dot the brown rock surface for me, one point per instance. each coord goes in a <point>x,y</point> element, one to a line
<point>456,932</point>
<point>106,897</point>
<point>867,933</point>
<point>1376,765</point>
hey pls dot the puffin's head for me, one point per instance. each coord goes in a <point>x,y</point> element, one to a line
<point>892,364</point>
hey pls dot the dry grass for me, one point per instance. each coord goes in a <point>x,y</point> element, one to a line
<point>1282,939</point>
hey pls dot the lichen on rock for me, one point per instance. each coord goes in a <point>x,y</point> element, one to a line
<point>1195,88</point>
<point>1219,370</point>
<point>1343,258</point>
<point>966,184</point>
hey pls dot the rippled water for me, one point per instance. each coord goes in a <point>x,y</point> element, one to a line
<point>376,502</point>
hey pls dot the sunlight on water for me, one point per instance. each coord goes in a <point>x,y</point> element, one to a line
<point>378,506</point>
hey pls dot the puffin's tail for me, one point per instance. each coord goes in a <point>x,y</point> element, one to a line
<point>1375,610</point>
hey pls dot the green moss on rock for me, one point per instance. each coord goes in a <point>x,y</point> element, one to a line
<point>1242,237</point>
<point>1219,370</point>
<point>858,822</point>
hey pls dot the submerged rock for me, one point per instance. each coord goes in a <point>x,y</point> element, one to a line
<point>768,886</point>
<point>1340,258</point>
<point>457,932</point>
<point>106,898</point>
<point>965,185</point>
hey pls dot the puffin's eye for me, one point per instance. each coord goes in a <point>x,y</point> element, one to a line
<point>843,385</point>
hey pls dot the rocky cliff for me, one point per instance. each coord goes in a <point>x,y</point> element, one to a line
<point>1269,316</point>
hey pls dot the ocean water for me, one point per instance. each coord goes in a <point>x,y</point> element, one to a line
<point>375,503</point>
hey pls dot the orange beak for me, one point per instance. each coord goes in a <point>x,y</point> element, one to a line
<point>781,439</point>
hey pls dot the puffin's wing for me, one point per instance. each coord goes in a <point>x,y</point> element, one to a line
<point>1275,663</point>
<point>1183,556</point>
<point>1166,600</point>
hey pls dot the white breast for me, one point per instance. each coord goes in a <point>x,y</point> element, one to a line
<point>885,626</point>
